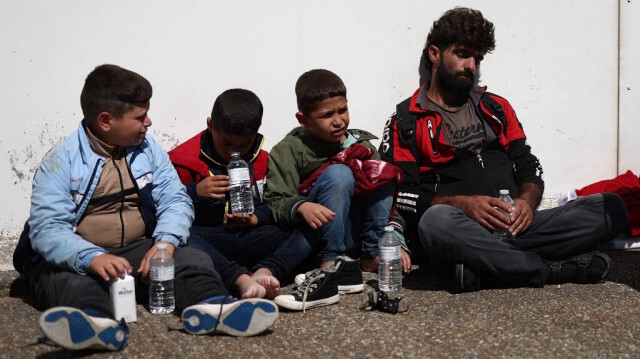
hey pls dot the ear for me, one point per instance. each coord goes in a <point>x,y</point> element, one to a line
<point>434,54</point>
<point>104,121</point>
<point>209,128</point>
<point>301,119</point>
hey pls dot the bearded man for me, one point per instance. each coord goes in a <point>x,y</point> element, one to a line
<point>459,146</point>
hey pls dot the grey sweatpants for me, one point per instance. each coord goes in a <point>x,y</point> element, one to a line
<point>195,280</point>
<point>578,227</point>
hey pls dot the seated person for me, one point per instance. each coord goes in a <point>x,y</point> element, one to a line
<point>103,200</point>
<point>336,220</point>
<point>234,241</point>
<point>459,145</point>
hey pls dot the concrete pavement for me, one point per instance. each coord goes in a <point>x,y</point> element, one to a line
<point>570,320</point>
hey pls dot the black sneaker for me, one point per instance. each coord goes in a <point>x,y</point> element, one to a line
<point>465,279</point>
<point>590,267</point>
<point>317,289</point>
<point>347,272</point>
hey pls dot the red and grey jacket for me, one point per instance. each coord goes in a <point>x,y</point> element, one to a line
<point>417,140</point>
<point>197,159</point>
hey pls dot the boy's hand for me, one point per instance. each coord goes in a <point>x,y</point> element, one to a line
<point>405,261</point>
<point>144,265</point>
<point>110,267</point>
<point>213,187</point>
<point>242,220</point>
<point>316,215</point>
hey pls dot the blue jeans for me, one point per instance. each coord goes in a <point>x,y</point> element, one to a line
<point>266,246</point>
<point>359,221</point>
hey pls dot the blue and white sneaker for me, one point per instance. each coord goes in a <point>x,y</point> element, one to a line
<point>240,318</point>
<point>71,328</point>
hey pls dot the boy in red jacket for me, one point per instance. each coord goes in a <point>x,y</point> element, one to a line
<point>236,241</point>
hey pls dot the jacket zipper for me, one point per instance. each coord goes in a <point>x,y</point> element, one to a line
<point>431,135</point>
<point>84,195</point>
<point>135,185</point>
<point>480,160</point>
<point>121,200</point>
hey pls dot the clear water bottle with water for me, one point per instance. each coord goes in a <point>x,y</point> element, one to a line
<point>239,185</point>
<point>390,269</point>
<point>161,272</point>
<point>500,233</point>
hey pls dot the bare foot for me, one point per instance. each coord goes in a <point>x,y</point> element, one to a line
<point>327,264</point>
<point>370,264</point>
<point>249,288</point>
<point>265,278</point>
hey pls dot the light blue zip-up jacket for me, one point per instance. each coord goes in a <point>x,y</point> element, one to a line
<point>65,182</point>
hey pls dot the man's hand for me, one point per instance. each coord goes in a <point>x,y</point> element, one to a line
<point>405,260</point>
<point>526,204</point>
<point>482,209</point>
<point>316,215</point>
<point>144,265</point>
<point>521,218</point>
<point>110,267</point>
<point>213,187</point>
<point>242,220</point>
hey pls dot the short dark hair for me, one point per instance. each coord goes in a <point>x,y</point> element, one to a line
<point>113,89</point>
<point>462,26</point>
<point>237,112</point>
<point>315,86</point>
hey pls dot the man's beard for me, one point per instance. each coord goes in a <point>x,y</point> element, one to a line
<point>453,82</point>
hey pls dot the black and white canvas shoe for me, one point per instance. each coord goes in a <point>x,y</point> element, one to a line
<point>347,272</point>
<point>317,289</point>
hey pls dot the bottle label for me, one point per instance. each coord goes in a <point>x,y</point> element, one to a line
<point>389,253</point>
<point>238,175</point>
<point>161,274</point>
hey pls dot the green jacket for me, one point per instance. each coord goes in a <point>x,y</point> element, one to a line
<point>292,160</point>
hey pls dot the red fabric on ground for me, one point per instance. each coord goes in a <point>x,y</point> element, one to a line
<point>627,186</point>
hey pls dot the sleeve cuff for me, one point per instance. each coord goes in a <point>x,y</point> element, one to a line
<point>403,242</point>
<point>169,239</point>
<point>83,262</point>
<point>295,217</point>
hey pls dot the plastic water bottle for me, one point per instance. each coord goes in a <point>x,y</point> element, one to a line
<point>239,185</point>
<point>161,271</point>
<point>500,233</point>
<point>390,269</point>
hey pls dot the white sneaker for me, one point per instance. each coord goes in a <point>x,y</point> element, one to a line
<point>238,318</point>
<point>73,329</point>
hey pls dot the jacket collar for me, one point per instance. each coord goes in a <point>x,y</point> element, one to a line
<point>419,99</point>
<point>211,157</point>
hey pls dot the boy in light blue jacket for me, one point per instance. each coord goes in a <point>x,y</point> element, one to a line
<point>103,200</point>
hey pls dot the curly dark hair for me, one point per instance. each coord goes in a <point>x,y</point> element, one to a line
<point>461,26</point>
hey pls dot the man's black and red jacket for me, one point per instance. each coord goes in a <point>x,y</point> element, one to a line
<point>416,140</point>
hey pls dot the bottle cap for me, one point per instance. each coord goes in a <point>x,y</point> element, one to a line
<point>504,191</point>
<point>162,246</point>
<point>388,229</point>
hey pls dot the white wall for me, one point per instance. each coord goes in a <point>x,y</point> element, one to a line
<point>629,146</point>
<point>555,60</point>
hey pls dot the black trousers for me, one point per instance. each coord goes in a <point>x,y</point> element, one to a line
<point>195,280</point>
<point>578,227</point>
